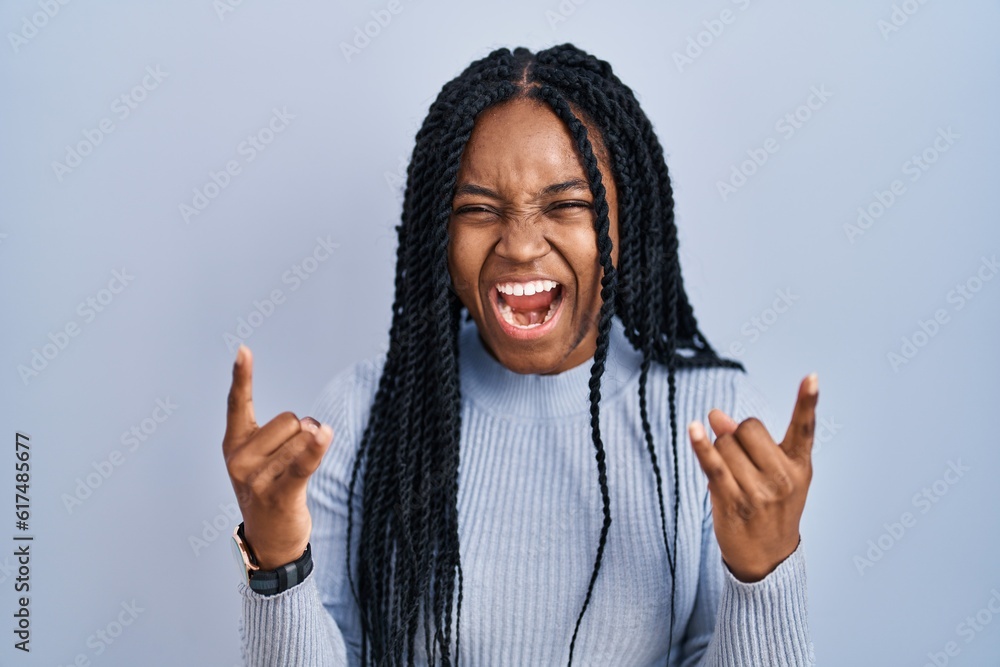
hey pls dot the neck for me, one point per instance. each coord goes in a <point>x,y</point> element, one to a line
<point>496,388</point>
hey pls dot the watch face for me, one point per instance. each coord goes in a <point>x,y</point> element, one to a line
<point>240,561</point>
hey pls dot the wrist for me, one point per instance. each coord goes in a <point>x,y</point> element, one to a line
<point>270,558</point>
<point>753,571</point>
<point>274,579</point>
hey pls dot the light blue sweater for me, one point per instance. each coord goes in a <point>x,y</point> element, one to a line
<point>529,521</point>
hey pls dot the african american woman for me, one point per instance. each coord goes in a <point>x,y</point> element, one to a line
<point>508,483</point>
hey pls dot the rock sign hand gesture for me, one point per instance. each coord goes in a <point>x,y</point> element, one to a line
<point>269,467</point>
<point>758,489</point>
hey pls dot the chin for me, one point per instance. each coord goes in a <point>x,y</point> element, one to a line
<point>527,364</point>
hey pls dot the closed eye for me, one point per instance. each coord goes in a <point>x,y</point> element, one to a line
<point>473,209</point>
<point>565,205</point>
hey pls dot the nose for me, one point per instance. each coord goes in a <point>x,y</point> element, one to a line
<point>522,240</point>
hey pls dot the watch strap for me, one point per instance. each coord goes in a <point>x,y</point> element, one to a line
<point>272,582</point>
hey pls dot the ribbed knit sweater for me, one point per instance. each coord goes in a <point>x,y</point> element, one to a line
<point>529,521</point>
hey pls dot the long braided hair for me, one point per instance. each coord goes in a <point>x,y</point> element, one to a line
<point>408,554</point>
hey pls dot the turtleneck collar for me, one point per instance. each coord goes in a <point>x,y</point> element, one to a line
<point>495,388</point>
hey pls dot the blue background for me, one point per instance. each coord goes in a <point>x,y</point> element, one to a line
<point>849,297</point>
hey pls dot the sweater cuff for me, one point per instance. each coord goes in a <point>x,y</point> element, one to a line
<point>766,621</point>
<point>289,628</point>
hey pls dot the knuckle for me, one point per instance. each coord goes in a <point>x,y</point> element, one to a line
<point>298,469</point>
<point>232,400</point>
<point>759,498</point>
<point>714,470</point>
<point>725,444</point>
<point>780,483</point>
<point>259,484</point>
<point>236,468</point>
<point>273,471</point>
<point>287,419</point>
<point>743,509</point>
<point>284,456</point>
<point>749,425</point>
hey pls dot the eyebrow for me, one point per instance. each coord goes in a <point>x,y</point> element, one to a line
<point>555,188</point>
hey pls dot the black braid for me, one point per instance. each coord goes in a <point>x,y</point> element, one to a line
<point>608,281</point>
<point>409,571</point>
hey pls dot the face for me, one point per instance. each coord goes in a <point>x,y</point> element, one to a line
<point>522,249</point>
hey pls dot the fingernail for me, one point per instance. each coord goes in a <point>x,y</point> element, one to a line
<point>239,354</point>
<point>696,430</point>
<point>326,431</point>
<point>309,424</point>
<point>812,383</point>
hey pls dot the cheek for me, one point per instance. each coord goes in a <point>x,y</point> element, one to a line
<point>464,265</point>
<point>581,252</point>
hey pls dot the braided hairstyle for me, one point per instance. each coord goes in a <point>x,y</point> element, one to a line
<point>408,553</point>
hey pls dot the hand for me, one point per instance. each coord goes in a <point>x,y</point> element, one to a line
<point>269,467</point>
<point>758,489</point>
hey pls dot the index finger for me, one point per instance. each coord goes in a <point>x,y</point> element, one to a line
<point>240,421</point>
<point>798,440</point>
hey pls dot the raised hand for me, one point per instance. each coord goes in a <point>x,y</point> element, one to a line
<point>269,467</point>
<point>758,488</point>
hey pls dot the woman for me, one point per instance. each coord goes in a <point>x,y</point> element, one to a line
<point>449,497</point>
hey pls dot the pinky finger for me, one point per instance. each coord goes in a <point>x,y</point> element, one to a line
<point>720,478</point>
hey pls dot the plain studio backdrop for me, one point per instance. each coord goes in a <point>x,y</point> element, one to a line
<point>178,175</point>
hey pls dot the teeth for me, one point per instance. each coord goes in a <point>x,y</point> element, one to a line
<point>528,288</point>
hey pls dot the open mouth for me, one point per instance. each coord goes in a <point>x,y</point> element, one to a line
<point>528,305</point>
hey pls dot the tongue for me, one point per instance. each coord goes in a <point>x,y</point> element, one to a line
<point>530,309</point>
<point>538,301</point>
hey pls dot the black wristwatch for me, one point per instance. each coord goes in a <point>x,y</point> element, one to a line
<point>268,582</point>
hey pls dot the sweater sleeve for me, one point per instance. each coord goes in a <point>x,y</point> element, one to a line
<point>316,623</point>
<point>291,628</point>
<point>739,624</point>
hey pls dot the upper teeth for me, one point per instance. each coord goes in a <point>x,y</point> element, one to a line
<point>528,288</point>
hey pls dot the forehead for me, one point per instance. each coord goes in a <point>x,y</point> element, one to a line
<point>521,141</point>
